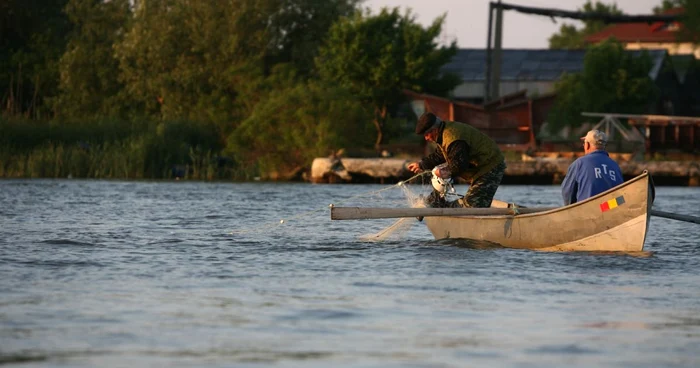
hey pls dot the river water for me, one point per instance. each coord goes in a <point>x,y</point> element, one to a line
<point>118,273</point>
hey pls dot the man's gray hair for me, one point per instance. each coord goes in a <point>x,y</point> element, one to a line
<point>596,138</point>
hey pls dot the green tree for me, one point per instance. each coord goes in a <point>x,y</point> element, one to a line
<point>377,57</point>
<point>32,40</point>
<point>667,5</point>
<point>691,21</point>
<point>571,37</point>
<point>89,70</point>
<point>612,80</point>
<point>187,59</point>
<point>296,122</point>
<point>298,27</point>
<point>204,60</point>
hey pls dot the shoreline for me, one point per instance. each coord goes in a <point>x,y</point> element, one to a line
<point>539,171</point>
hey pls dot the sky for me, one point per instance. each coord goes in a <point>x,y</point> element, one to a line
<point>467,20</point>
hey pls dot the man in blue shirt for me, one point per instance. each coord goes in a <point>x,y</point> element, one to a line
<point>593,173</point>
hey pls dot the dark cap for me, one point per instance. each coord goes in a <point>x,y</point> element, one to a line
<point>425,122</point>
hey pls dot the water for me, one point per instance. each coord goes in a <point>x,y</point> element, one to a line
<point>115,274</point>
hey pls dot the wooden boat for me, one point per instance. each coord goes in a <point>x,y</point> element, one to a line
<point>615,220</point>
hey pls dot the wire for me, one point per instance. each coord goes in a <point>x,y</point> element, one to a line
<point>263,227</point>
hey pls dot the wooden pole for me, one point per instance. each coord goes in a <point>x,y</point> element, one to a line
<point>495,90</point>
<point>487,79</point>
<point>675,216</point>
<point>358,213</point>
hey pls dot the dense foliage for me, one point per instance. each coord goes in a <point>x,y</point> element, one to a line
<point>33,37</point>
<point>143,88</point>
<point>376,57</point>
<point>297,122</point>
<point>612,80</point>
<point>239,88</point>
<point>691,21</point>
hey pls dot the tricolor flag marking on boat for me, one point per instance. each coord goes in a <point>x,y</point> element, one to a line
<point>613,203</point>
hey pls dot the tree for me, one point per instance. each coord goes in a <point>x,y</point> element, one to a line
<point>667,5</point>
<point>612,80</point>
<point>32,39</point>
<point>377,57</point>
<point>297,121</point>
<point>195,59</point>
<point>187,59</point>
<point>691,21</point>
<point>89,71</point>
<point>298,27</point>
<point>571,37</point>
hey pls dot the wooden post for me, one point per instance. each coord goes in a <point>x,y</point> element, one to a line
<point>533,142</point>
<point>497,50</point>
<point>487,78</point>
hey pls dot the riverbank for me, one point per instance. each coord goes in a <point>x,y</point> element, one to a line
<point>536,171</point>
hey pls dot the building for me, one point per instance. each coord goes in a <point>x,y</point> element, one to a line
<point>646,36</point>
<point>527,87</point>
<point>533,70</point>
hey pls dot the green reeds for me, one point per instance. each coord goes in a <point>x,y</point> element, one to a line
<point>112,150</point>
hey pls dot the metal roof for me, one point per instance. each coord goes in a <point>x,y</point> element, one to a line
<point>531,64</point>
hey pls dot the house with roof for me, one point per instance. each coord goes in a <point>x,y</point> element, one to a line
<point>646,36</point>
<point>527,91</point>
<point>535,71</point>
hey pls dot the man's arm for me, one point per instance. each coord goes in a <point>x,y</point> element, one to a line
<point>432,160</point>
<point>458,157</point>
<point>569,187</point>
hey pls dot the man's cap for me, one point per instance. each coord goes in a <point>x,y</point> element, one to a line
<point>595,138</point>
<point>425,123</point>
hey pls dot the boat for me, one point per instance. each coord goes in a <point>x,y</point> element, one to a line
<point>616,220</point>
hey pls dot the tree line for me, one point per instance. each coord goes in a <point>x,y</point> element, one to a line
<point>209,89</point>
<point>230,88</point>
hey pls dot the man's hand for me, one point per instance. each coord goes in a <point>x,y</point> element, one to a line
<point>443,173</point>
<point>414,167</point>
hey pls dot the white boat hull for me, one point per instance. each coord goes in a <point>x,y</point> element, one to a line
<point>616,220</point>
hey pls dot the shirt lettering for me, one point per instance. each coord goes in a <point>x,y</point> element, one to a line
<point>610,173</point>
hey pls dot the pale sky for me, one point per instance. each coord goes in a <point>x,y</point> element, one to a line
<point>467,20</point>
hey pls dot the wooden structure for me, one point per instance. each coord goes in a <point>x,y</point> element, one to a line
<point>667,133</point>
<point>657,133</point>
<point>615,220</point>
<point>512,121</point>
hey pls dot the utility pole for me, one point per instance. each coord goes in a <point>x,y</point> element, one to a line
<point>493,54</point>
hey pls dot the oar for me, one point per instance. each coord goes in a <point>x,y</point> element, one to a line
<point>675,216</point>
<point>357,213</point>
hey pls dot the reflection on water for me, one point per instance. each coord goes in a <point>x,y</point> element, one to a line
<point>99,273</point>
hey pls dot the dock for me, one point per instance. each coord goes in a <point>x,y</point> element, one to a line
<point>536,171</point>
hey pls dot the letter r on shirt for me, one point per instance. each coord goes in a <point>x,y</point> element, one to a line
<point>597,173</point>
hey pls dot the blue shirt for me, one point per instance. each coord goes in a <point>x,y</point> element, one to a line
<point>589,175</point>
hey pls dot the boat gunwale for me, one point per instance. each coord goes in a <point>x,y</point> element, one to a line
<point>553,210</point>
